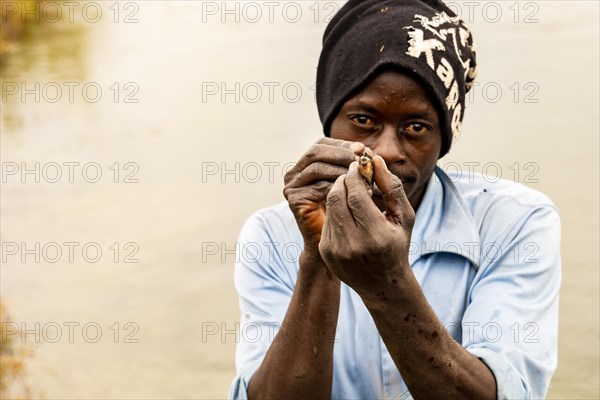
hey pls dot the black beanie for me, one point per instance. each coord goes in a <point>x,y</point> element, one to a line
<point>423,38</point>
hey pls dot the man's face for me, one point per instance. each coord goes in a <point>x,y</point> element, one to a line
<point>395,118</point>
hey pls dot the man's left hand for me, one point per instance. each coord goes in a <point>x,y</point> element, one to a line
<point>363,247</point>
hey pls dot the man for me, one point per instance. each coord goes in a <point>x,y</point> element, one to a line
<point>420,286</point>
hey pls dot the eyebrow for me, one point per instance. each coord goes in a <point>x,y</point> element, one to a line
<point>362,104</point>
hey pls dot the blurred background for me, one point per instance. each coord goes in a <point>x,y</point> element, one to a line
<point>138,136</point>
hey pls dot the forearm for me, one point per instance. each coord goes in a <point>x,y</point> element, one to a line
<point>299,363</point>
<point>432,364</point>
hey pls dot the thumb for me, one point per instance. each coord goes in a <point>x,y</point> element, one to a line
<point>396,203</point>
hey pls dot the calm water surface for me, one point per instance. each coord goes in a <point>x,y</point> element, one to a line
<point>182,168</point>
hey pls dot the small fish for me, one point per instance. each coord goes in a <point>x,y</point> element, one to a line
<point>365,167</point>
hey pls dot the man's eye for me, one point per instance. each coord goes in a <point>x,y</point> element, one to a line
<point>417,128</point>
<point>362,120</point>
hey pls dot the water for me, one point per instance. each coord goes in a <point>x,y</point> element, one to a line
<point>181,218</point>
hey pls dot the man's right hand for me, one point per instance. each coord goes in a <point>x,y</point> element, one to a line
<point>309,181</point>
<point>301,366</point>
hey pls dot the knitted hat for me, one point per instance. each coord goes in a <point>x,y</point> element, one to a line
<point>423,38</point>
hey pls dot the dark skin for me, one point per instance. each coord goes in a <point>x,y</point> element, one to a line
<point>364,241</point>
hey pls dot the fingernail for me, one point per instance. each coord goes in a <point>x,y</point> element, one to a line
<point>357,147</point>
<point>380,160</point>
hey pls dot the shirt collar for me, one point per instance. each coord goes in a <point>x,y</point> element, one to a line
<point>443,223</point>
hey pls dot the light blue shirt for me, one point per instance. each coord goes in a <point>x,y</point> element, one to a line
<point>487,256</point>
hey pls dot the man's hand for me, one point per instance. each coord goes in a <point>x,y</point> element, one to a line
<point>362,246</point>
<point>304,369</point>
<point>309,181</point>
<point>368,250</point>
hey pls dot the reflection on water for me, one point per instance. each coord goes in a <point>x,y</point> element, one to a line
<point>156,142</point>
<point>45,54</point>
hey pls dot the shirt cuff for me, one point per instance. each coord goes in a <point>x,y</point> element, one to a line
<point>509,384</point>
<point>239,387</point>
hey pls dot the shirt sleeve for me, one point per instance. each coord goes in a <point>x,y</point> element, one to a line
<point>264,277</point>
<point>511,320</point>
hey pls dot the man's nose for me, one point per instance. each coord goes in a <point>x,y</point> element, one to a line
<point>390,146</point>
